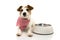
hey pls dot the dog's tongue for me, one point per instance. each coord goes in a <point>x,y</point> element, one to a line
<point>23,23</point>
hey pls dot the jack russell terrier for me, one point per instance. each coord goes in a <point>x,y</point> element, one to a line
<point>24,22</point>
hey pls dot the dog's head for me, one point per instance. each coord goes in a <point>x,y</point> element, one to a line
<point>25,11</point>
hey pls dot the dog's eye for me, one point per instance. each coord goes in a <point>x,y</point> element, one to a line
<point>27,9</point>
<point>21,10</point>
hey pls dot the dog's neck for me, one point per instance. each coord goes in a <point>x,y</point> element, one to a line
<point>26,18</point>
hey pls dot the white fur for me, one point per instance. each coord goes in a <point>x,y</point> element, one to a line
<point>29,30</point>
<point>29,25</point>
<point>27,13</point>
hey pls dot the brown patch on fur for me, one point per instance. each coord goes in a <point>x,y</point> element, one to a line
<point>19,9</point>
<point>29,7</point>
<point>30,12</point>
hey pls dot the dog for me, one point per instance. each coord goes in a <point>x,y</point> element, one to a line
<point>24,22</point>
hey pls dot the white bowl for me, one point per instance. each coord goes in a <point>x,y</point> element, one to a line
<point>43,29</point>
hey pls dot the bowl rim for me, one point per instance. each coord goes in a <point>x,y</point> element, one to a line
<point>43,24</point>
<point>43,34</point>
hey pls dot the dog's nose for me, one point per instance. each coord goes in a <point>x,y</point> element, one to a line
<point>24,14</point>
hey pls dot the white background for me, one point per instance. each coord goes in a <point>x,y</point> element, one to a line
<point>45,11</point>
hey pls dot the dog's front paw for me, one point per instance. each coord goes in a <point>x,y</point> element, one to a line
<point>18,34</point>
<point>30,35</point>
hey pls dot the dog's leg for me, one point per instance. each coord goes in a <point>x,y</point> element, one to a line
<point>19,33</point>
<point>31,27</point>
<point>30,31</point>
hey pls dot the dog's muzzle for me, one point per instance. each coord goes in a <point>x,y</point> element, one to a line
<point>24,14</point>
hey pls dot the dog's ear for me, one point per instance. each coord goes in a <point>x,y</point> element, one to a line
<point>19,8</point>
<point>29,7</point>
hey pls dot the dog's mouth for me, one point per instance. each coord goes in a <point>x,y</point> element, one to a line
<point>25,18</point>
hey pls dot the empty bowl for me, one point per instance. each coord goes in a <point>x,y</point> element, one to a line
<point>43,29</point>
